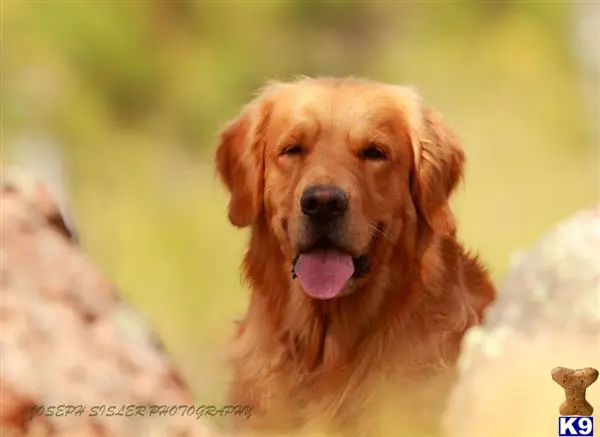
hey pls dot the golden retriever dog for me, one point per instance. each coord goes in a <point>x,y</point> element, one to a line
<point>360,291</point>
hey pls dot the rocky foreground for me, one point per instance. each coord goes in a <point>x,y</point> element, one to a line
<point>547,315</point>
<point>69,339</point>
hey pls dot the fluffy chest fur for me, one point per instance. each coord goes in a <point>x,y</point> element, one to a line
<point>387,378</point>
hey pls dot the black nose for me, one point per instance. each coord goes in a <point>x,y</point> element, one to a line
<point>324,202</point>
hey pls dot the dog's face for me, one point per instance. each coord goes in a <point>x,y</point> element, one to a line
<point>336,168</point>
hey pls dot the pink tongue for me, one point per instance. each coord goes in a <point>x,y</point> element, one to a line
<point>323,274</point>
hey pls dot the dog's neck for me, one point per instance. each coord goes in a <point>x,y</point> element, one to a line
<point>324,335</point>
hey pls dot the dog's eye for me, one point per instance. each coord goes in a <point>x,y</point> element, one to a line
<point>293,149</point>
<point>372,153</point>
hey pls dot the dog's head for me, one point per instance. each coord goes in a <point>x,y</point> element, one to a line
<point>339,169</point>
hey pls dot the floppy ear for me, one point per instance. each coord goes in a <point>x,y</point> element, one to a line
<point>240,163</point>
<point>438,168</point>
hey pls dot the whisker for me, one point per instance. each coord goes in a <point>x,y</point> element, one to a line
<point>380,232</point>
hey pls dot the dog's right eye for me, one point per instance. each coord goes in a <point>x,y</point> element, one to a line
<point>293,149</point>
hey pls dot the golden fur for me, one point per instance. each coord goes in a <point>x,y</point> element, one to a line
<point>396,331</point>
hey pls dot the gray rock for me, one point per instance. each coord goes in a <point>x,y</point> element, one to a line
<point>69,337</point>
<point>547,315</point>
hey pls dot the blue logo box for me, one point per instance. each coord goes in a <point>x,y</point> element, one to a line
<point>569,426</point>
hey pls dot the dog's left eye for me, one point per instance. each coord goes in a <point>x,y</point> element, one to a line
<point>293,149</point>
<point>372,153</point>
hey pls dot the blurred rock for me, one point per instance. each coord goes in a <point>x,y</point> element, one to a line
<point>69,338</point>
<point>547,315</point>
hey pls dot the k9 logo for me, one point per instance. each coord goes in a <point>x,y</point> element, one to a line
<point>575,426</point>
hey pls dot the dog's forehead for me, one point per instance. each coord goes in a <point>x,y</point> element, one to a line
<point>351,101</point>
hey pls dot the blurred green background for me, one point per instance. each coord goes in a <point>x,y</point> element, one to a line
<point>133,95</point>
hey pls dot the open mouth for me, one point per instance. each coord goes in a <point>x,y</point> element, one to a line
<point>324,269</point>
